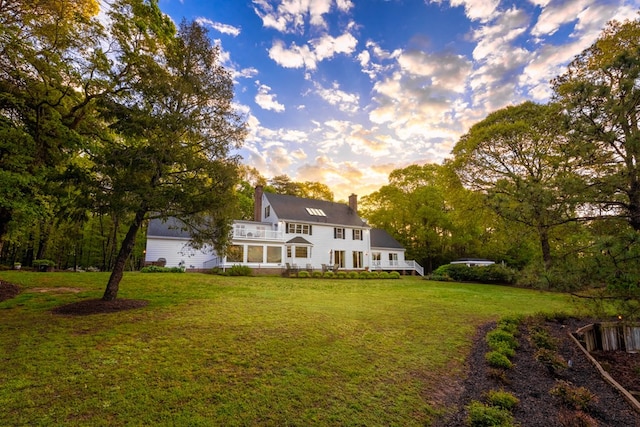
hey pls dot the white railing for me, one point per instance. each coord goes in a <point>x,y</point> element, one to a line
<point>415,266</point>
<point>244,232</point>
<point>397,265</point>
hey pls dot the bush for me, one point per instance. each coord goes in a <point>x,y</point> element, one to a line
<point>353,275</point>
<point>341,275</point>
<point>383,275</point>
<point>316,274</point>
<point>329,275</point>
<point>374,275</point>
<point>498,360</point>
<point>240,270</point>
<point>576,397</point>
<point>510,324</point>
<point>394,275</point>
<point>502,347</point>
<point>497,336</point>
<point>542,340</point>
<point>364,275</point>
<point>158,269</point>
<point>481,415</point>
<point>304,274</point>
<point>502,399</point>
<point>495,273</point>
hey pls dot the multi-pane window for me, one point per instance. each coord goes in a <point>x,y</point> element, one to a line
<point>393,259</point>
<point>254,253</point>
<point>274,254</point>
<point>357,259</point>
<point>375,258</point>
<point>235,253</point>
<point>339,258</point>
<point>357,234</point>
<point>302,252</point>
<point>338,233</point>
<point>294,228</point>
<point>267,211</point>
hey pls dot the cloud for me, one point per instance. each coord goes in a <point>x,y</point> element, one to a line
<point>220,27</point>
<point>347,102</point>
<point>266,100</point>
<point>554,15</point>
<point>327,46</point>
<point>476,10</point>
<point>292,57</point>
<point>290,16</point>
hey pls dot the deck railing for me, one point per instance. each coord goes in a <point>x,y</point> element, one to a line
<point>256,233</point>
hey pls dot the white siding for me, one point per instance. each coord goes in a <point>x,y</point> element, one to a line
<point>176,251</point>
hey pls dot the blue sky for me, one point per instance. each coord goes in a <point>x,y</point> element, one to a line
<point>342,92</point>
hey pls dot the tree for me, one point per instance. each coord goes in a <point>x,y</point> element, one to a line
<point>601,95</point>
<point>165,152</point>
<point>43,67</point>
<point>520,159</point>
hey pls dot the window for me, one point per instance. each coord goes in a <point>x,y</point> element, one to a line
<point>302,252</point>
<point>338,258</point>
<point>274,254</point>
<point>338,233</point>
<point>254,254</point>
<point>316,212</point>
<point>357,259</point>
<point>357,234</point>
<point>294,228</point>
<point>267,211</point>
<point>375,258</point>
<point>235,253</point>
<point>393,259</point>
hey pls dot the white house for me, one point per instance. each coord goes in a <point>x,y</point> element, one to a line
<point>288,232</point>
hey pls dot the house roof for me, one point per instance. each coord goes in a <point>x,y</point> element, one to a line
<point>172,227</point>
<point>381,239</point>
<point>294,208</point>
<point>299,241</point>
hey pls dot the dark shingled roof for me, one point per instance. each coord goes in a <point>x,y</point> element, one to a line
<point>294,208</point>
<point>172,227</point>
<point>381,239</point>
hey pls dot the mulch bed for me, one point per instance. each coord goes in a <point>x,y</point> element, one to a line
<point>80,308</point>
<point>530,381</point>
<point>8,290</point>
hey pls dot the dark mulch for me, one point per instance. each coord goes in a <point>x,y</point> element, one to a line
<point>97,306</point>
<point>530,381</point>
<point>8,290</point>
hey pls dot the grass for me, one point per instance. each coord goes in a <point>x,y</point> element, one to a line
<point>212,350</point>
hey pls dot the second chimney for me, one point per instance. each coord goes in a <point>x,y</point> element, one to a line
<point>353,203</point>
<point>257,203</point>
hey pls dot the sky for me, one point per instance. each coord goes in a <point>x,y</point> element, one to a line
<point>343,92</point>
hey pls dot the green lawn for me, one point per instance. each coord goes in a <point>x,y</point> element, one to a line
<point>212,350</point>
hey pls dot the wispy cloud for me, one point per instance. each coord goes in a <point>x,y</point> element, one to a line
<point>219,27</point>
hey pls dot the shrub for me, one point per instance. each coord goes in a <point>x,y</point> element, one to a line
<point>304,274</point>
<point>541,339</point>
<point>374,275</point>
<point>316,274</point>
<point>341,275</point>
<point>502,399</point>
<point>353,275</point>
<point>576,397</point>
<point>329,275</point>
<point>551,360</point>
<point>498,360</point>
<point>364,275</point>
<point>502,347</point>
<point>495,273</point>
<point>240,270</point>
<point>481,415</point>
<point>158,269</point>
<point>383,275</point>
<point>499,336</point>
<point>510,324</point>
<point>394,275</point>
<point>575,419</point>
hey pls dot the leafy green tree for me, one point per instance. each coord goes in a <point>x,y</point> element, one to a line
<point>601,95</point>
<point>518,158</point>
<point>167,149</point>
<point>44,100</point>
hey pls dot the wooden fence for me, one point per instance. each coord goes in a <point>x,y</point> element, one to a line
<point>611,336</point>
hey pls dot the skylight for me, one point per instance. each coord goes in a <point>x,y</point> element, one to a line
<point>316,212</point>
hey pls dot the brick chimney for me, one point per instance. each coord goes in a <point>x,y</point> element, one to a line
<point>353,203</point>
<point>257,203</point>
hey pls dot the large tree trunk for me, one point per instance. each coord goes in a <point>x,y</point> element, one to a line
<point>111,292</point>
<point>543,233</point>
